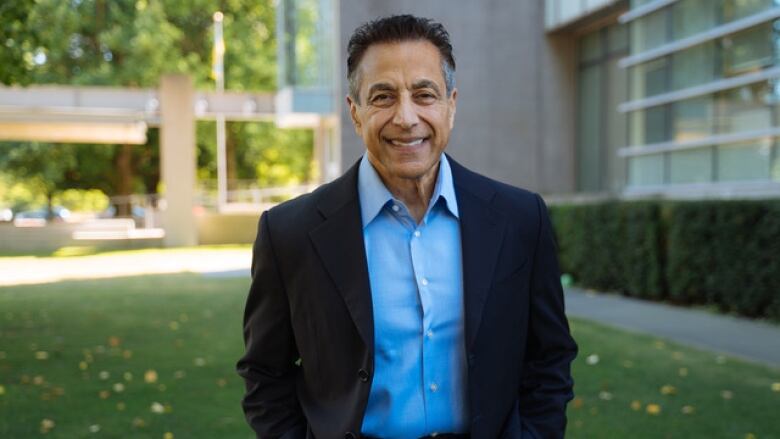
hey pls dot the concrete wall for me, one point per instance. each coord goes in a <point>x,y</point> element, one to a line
<point>515,119</point>
<point>234,228</point>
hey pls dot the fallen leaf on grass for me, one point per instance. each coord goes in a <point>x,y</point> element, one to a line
<point>104,394</point>
<point>150,376</point>
<point>683,372</point>
<point>592,359</point>
<point>95,428</point>
<point>668,390</point>
<point>127,376</point>
<point>776,387</point>
<point>653,409</point>
<point>138,423</point>
<point>114,341</point>
<point>578,403</point>
<point>83,365</point>
<point>119,387</point>
<point>46,425</point>
<point>636,405</point>
<point>157,408</point>
<point>168,435</point>
<point>688,409</point>
<point>2,390</point>
<point>41,355</point>
<point>104,375</point>
<point>200,362</point>
<point>727,394</point>
<point>121,406</point>
<point>606,396</point>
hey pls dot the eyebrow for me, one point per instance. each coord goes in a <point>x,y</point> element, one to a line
<point>426,83</point>
<point>381,86</point>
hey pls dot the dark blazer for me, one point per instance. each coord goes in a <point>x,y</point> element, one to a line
<point>309,330</point>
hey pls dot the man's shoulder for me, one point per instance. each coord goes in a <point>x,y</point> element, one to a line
<point>308,209</point>
<point>500,195</point>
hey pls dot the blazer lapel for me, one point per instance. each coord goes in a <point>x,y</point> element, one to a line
<point>338,241</point>
<point>482,231</point>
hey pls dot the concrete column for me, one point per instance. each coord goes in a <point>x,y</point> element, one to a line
<point>177,159</point>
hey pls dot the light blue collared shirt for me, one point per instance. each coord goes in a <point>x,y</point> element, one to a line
<point>416,275</point>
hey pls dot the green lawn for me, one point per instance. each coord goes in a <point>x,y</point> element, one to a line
<point>77,353</point>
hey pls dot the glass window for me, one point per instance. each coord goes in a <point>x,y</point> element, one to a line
<point>693,16</point>
<point>744,161</point>
<point>649,32</point>
<point>646,170</point>
<point>617,37</point>
<point>648,79</point>
<point>589,132</point>
<point>775,170</point>
<point>692,166</point>
<point>746,108</point>
<point>692,118</point>
<point>616,125</point>
<point>569,9</point>
<point>736,9</point>
<point>649,125</point>
<point>591,47</point>
<point>694,66</point>
<point>749,50</point>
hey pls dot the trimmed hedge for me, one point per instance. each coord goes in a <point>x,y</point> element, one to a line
<point>723,253</point>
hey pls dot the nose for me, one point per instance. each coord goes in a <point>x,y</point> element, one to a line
<point>405,113</point>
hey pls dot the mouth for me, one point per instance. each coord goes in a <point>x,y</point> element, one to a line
<point>408,142</point>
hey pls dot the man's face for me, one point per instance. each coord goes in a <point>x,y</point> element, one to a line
<point>404,115</point>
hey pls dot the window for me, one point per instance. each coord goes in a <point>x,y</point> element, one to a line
<point>693,166</point>
<point>749,50</point>
<point>692,119</point>
<point>649,32</point>
<point>746,108</point>
<point>744,161</point>
<point>648,79</point>
<point>736,9</point>
<point>693,66</point>
<point>649,125</point>
<point>647,170</point>
<point>690,17</point>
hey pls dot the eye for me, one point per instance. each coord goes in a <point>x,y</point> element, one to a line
<point>383,97</point>
<point>426,96</point>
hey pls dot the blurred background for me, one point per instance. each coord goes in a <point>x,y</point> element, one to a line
<point>141,139</point>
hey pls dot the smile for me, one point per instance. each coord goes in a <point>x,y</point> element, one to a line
<point>410,142</point>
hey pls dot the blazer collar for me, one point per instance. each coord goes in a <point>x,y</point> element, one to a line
<point>481,234</point>
<point>338,241</point>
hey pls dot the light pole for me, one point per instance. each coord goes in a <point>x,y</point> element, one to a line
<point>218,71</point>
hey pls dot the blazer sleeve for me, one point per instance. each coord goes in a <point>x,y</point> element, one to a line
<point>546,385</point>
<point>268,365</point>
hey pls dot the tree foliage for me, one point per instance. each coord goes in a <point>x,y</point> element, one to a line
<point>132,43</point>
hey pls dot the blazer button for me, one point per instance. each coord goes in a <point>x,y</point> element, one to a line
<point>363,375</point>
<point>349,435</point>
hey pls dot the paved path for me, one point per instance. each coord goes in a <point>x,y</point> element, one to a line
<point>754,341</point>
<point>32,270</point>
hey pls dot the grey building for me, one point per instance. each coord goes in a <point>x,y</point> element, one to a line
<point>617,98</point>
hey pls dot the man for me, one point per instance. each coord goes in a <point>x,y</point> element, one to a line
<point>410,297</point>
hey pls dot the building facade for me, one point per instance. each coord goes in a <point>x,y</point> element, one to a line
<point>671,98</point>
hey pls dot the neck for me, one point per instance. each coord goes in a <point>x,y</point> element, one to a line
<point>415,193</point>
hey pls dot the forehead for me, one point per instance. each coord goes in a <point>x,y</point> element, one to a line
<point>404,62</point>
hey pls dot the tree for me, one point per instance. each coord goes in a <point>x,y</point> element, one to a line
<point>132,43</point>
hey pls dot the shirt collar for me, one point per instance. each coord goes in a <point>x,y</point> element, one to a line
<point>374,195</point>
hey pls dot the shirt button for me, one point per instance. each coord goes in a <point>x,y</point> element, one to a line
<point>396,208</point>
<point>417,233</point>
<point>429,334</point>
<point>434,387</point>
<point>424,281</point>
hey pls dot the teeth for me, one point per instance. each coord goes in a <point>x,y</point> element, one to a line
<point>398,143</point>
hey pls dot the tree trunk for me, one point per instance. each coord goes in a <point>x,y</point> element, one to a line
<point>124,177</point>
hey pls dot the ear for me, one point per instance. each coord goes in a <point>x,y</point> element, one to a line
<point>353,114</point>
<point>453,106</point>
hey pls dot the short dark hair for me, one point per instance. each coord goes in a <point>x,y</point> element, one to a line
<point>399,28</point>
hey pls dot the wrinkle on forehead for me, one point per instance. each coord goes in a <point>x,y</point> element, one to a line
<point>400,63</point>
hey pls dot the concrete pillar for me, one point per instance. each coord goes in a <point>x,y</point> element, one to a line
<point>177,159</point>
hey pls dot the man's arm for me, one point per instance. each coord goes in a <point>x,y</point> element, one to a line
<point>546,384</point>
<point>268,366</point>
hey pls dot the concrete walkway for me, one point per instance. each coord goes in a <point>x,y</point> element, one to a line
<point>747,339</point>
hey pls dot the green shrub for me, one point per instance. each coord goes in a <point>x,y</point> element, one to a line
<point>722,253</point>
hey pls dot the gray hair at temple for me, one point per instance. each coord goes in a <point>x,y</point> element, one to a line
<point>398,28</point>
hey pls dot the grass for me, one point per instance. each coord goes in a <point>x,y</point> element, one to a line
<point>65,347</point>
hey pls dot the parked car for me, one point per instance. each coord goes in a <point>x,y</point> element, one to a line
<point>6,215</point>
<point>59,213</point>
